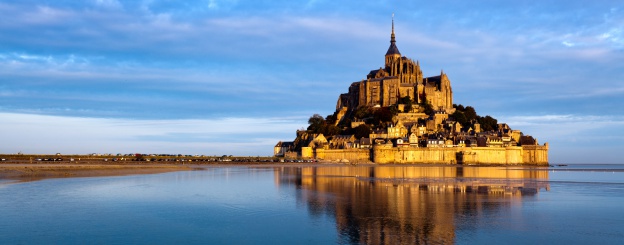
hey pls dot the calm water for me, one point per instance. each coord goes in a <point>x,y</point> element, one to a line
<point>577,204</point>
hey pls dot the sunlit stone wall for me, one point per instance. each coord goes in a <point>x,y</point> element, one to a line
<point>534,155</point>
<point>383,154</point>
<point>352,155</point>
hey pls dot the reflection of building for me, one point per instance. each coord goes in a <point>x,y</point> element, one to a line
<point>401,205</point>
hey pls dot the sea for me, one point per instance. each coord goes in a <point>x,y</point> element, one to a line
<point>322,204</point>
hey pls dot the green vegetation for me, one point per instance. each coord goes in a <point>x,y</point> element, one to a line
<point>466,116</point>
<point>362,131</point>
<point>427,108</point>
<point>325,126</point>
<point>407,101</point>
<point>488,123</point>
<point>376,116</point>
<point>381,117</point>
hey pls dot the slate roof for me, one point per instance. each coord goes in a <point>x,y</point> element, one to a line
<point>434,79</point>
<point>393,49</point>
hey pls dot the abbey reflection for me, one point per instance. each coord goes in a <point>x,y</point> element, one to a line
<point>409,205</point>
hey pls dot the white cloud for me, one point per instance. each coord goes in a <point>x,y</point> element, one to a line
<point>562,127</point>
<point>575,138</point>
<point>49,134</point>
<point>43,15</point>
<point>212,4</point>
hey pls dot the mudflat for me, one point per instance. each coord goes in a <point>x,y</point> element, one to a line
<point>31,172</point>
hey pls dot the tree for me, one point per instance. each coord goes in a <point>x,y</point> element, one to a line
<point>317,124</point>
<point>330,130</point>
<point>331,119</point>
<point>459,117</point>
<point>470,113</point>
<point>488,123</point>
<point>407,108</point>
<point>362,131</point>
<point>427,109</point>
<point>407,101</point>
<point>394,110</point>
<point>382,115</point>
<point>362,112</point>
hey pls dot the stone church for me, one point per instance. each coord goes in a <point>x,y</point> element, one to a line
<point>419,135</point>
<point>400,77</point>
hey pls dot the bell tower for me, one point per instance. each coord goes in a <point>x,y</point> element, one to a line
<point>393,52</point>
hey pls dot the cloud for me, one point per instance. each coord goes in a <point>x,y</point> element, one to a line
<point>239,136</point>
<point>577,122</point>
<point>591,92</point>
<point>574,138</point>
<point>246,59</point>
<point>44,15</point>
<point>568,44</point>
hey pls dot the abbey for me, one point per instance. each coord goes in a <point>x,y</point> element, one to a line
<point>400,77</point>
<point>396,115</point>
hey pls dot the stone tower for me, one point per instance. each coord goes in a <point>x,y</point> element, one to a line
<point>399,78</point>
<point>393,53</point>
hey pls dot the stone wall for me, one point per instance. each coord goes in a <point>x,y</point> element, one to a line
<point>490,155</point>
<point>352,155</point>
<point>386,154</point>
<point>306,152</point>
<point>535,154</point>
<point>516,155</point>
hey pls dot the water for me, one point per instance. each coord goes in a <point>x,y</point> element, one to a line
<point>576,204</point>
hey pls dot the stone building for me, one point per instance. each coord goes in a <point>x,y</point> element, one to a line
<point>400,77</point>
<point>416,134</point>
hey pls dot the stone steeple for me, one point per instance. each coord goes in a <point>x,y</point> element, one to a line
<point>393,52</point>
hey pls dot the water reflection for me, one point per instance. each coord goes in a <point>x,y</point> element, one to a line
<point>416,205</point>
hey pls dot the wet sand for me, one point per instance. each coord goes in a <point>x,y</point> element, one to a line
<point>21,171</point>
<point>32,172</point>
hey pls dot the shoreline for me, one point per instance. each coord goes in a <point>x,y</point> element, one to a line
<point>24,172</point>
<point>33,172</point>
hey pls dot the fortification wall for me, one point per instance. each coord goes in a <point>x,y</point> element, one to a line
<point>535,154</point>
<point>385,154</point>
<point>353,155</point>
<point>306,152</point>
<point>516,155</point>
<point>491,155</point>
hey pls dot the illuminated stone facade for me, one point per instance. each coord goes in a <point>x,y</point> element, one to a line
<point>400,77</point>
<point>422,129</point>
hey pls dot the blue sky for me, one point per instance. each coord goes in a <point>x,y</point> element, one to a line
<point>234,77</point>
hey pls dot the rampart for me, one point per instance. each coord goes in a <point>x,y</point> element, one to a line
<point>386,154</point>
<point>352,155</point>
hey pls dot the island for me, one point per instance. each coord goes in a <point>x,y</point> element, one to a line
<point>396,115</point>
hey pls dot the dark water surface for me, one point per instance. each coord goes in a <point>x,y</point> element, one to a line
<point>576,204</point>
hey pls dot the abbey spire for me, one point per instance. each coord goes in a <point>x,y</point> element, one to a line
<point>393,52</point>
